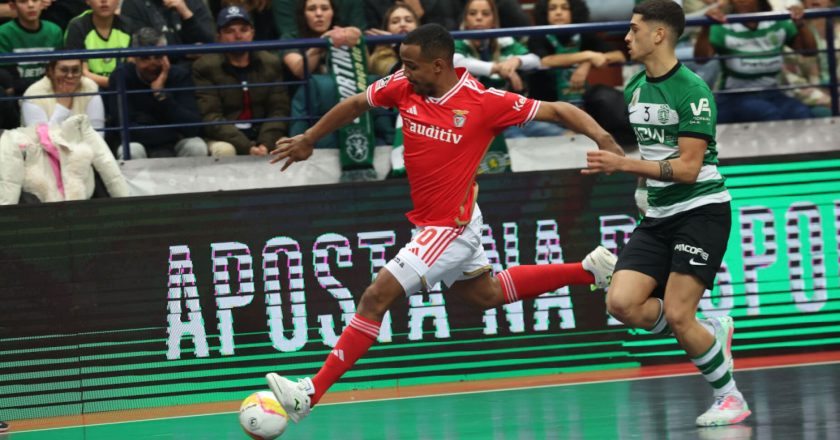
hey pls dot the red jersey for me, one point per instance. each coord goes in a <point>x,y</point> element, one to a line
<point>445,139</point>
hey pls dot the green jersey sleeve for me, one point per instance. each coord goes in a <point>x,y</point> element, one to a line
<point>698,114</point>
<point>791,31</point>
<point>717,37</point>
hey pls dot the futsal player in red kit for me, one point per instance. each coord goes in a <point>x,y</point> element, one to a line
<point>449,120</point>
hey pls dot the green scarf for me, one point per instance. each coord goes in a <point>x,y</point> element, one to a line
<point>397,159</point>
<point>564,75</point>
<point>348,67</point>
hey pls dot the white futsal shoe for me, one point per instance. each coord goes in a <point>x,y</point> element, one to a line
<point>293,397</point>
<point>601,264</point>
<point>727,410</point>
<point>724,329</point>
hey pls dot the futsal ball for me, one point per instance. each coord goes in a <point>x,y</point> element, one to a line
<point>262,417</point>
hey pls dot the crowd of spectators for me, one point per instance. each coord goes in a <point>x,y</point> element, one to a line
<point>235,87</point>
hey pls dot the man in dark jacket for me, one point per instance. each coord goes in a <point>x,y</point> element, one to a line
<point>180,21</point>
<point>158,107</point>
<point>240,104</point>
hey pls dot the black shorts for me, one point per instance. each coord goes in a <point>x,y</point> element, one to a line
<point>691,242</point>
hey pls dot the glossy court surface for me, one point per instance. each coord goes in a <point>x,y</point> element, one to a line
<point>792,402</point>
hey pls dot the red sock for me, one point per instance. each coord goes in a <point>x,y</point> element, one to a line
<point>524,282</point>
<point>354,342</point>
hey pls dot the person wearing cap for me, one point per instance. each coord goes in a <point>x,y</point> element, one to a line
<point>176,108</point>
<point>240,105</point>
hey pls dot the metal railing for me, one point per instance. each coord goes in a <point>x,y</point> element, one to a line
<point>305,43</point>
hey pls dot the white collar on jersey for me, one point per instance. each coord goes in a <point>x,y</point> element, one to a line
<point>463,75</point>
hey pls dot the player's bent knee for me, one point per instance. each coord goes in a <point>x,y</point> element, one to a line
<point>621,309</point>
<point>679,320</point>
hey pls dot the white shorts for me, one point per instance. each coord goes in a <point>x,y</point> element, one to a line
<point>440,253</point>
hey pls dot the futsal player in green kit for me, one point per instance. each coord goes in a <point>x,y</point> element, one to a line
<point>676,250</point>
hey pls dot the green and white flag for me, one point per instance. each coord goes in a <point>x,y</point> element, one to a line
<point>397,159</point>
<point>348,67</point>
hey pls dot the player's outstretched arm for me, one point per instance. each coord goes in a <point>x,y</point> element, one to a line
<point>683,169</point>
<point>578,121</point>
<point>300,147</point>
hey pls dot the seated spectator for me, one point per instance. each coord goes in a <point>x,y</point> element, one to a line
<point>801,70</point>
<point>317,19</point>
<point>496,61</point>
<point>240,104</point>
<point>98,28</point>
<point>399,19</point>
<point>55,163</point>
<point>493,61</point>
<point>63,77</point>
<point>260,12</point>
<point>571,56</point>
<point>444,13</point>
<point>159,107</point>
<point>180,21</point>
<point>61,12</point>
<point>708,70</point>
<point>26,33</point>
<point>348,13</point>
<point>764,42</point>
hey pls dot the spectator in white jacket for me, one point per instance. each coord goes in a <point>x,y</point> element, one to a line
<point>62,77</point>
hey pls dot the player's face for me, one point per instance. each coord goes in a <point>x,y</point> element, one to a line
<point>640,38</point>
<point>559,12</point>
<point>420,72</point>
<point>401,21</point>
<point>479,16</point>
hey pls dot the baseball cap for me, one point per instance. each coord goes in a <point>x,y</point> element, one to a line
<point>232,13</point>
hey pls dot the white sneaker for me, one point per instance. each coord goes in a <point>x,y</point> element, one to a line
<point>601,264</point>
<point>293,397</point>
<point>727,410</point>
<point>724,329</point>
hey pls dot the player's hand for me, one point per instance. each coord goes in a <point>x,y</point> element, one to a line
<point>294,149</point>
<point>602,161</point>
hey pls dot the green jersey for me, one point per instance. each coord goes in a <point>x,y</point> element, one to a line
<point>767,40</point>
<point>677,104</point>
<point>14,38</point>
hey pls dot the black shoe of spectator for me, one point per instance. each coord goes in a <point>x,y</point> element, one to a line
<point>4,426</point>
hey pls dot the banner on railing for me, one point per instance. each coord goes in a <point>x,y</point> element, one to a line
<point>156,301</point>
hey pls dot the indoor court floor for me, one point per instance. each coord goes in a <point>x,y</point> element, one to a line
<point>791,402</point>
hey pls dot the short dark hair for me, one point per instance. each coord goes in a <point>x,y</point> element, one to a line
<point>667,12</point>
<point>578,8</point>
<point>147,37</point>
<point>434,41</point>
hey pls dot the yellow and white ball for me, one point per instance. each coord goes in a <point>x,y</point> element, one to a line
<point>262,417</point>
